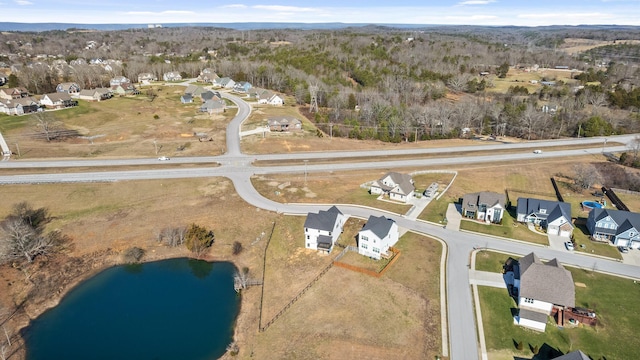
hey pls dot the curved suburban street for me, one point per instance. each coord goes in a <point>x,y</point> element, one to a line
<point>459,332</point>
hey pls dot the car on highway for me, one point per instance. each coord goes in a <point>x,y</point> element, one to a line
<point>164,158</point>
<point>569,245</point>
<point>537,151</point>
<point>623,249</point>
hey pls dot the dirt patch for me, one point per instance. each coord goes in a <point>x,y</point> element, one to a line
<point>579,284</point>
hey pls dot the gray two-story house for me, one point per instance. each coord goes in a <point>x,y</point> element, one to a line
<point>622,228</point>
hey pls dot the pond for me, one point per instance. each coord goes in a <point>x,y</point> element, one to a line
<point>170,309</point>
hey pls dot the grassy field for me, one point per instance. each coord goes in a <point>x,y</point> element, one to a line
<point>522,78</point>
<point>127,127</point>
<point>348,314</point>
<point>612,338</point>
<point>509,229</point>
<point>325,188</point>
<point>490,261</point>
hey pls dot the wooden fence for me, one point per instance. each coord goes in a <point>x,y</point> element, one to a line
<point>376,274</point>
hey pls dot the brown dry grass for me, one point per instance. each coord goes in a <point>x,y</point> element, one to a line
<point>325,188</point>
<point>578,45</point>
<point>352,315</point>
<point>128,126</point>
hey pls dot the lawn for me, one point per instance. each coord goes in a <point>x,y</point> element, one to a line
<point>612,298</point>
<point>490,261</point>
<point>130,126</point>
<point>509,228</point>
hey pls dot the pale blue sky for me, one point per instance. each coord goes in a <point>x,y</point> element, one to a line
<point>466,12</point>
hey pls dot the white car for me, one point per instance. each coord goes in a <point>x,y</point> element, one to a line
<point>537,151</point>
<point>569,245</point>
<point>164,158</point>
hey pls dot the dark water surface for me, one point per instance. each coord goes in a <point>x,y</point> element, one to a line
<point>170,309</point>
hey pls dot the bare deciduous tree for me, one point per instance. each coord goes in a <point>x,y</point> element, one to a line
<point>49,126</point>
<point>172,236</point>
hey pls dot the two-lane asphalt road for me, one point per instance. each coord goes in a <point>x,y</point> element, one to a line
<point>238,167</point>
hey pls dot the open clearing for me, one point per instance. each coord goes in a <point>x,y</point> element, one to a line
<point>124,127</point>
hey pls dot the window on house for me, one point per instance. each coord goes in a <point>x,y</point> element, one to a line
<point>528,301</point>
<point>364,238</point>
<point>306,229</point>
<point>329,233</point>
<point>308,237</point>
<point>364,246</point>
<point>376,250</point>
<point>308,244</point>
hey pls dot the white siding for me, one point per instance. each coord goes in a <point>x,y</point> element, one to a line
<point>537,305</point>
<point>530,324</point>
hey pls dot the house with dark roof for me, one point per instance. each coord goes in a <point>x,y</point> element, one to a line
<point>284,123</point>
<point>541,287</point>
<point>574,355</point>
<point>398,186</point>
<point>621,228</point>
<point>321,230</point>
<point>377,236</point>
<point>186,99</point>
<point>210,95</point>
<point>484,206</point>
<point>554,216</point>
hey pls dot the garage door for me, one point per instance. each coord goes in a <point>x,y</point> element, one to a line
<point>622,242</point>
<point>566,234</point>
<point>635,244</point>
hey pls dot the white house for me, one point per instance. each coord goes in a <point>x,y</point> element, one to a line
<point>225,82</point>
<point>540,288</point>
<point>398,186</point>
<point>321,230</point>
<point>119,80</point>
<point>172,76</point>
<point>376,236</point>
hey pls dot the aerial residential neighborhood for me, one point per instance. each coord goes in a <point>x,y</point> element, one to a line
<point>334,190</point>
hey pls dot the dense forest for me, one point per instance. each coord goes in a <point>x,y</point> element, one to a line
<point>372,82</point>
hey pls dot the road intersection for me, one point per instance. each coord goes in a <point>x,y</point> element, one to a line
<point>460,341</point>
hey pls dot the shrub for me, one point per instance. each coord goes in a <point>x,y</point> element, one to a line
<point>133,255</point>
<point>237,248</point>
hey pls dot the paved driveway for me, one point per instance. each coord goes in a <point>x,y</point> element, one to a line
<point>557,242</point>
<point>454,216</point>
<point>632,257</point>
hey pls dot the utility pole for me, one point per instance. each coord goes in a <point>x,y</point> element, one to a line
<point>155,144</point>
<point>330,130</point>
<point>313,93</point>
<point>18,148</point>
<point>415,138</point>
<point>305,171</point>
<point>603,145</point>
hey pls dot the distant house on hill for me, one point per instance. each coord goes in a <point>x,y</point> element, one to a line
<point>57,100</point>
<point>146,78</point>
<point>118,80</point>
<point>284,124</point>
<point>68,87</point>
<point>172,76</point>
